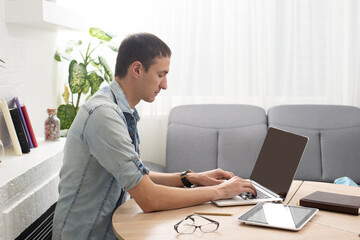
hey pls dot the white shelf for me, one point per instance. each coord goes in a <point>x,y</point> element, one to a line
<point>14,166</point>
<point>44,15</point>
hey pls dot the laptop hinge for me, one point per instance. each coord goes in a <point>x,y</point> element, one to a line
<point>265,189</point>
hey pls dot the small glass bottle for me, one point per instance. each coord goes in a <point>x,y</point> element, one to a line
<point>52,126</point>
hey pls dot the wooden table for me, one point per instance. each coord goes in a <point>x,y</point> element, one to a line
<point>129,222</point>
<point>345,222</point>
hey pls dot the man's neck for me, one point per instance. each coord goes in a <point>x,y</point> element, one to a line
<point>127,89</point>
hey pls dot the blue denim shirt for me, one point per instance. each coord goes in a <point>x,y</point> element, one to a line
<point>101,162</point>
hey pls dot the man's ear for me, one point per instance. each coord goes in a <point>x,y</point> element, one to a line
<point>136,69</point>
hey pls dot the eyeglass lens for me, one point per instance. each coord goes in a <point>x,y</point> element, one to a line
<point>188,226</point>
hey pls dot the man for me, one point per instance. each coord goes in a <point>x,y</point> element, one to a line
<point>101,154</point>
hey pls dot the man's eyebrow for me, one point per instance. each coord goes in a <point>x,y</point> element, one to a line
<point>164,71</point>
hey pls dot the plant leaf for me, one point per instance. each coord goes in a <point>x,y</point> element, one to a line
<point>71,45</point>
<point>66,113</point>
<point>106,77</point>
<point>107,69</point>
<point>77,76</point>
<point>100,34</point>
<point>57,56</point>
<point>112,46</point>
<point>86,87</point>
<point>2,62</point>
<point>60,56</point>
<point>66,95</point>
<point>95,82</point>
<point>97,65</point>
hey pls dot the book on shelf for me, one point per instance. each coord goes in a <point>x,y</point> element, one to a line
<point>20,130</point>
<point>10,126</point>
<point>332,202</point>
<point>23,122</point>
<point>28,123</point>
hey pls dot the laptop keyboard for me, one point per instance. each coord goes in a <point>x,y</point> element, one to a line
<point>260,195</point>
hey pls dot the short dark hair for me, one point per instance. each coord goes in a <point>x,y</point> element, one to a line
<point>143,47</point>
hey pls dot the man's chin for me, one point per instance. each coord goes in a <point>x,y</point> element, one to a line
<point>149,100</point>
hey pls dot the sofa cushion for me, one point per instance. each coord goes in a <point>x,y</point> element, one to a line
<point>194,132</point>
<point>341,153</point>
<point>323,124</point>
<point>190,147</point>
<point>239,148</point>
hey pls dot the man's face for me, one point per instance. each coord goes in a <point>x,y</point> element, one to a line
<point>155,79</point>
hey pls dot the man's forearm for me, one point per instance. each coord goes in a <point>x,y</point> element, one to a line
<point>153,197</point>
<point>166,179</point>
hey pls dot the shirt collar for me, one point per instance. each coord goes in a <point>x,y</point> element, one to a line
<point>121,100</point>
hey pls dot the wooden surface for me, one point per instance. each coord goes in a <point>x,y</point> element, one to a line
<point>342,221</point>
<point>129,222</point>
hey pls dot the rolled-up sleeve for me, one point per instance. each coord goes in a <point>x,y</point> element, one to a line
<point>108,139</point>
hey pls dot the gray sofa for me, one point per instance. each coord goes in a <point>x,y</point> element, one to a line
<point>204,137</point>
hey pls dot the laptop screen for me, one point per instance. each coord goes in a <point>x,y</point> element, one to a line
<point>278,160</point>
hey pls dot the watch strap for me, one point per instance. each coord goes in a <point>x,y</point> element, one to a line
<point>184,180</point>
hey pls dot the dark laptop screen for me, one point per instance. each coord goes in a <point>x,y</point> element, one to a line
<point>278,160</point>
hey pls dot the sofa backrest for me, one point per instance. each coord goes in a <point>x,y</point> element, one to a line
<point>204,137</point>
<point>333,149</point>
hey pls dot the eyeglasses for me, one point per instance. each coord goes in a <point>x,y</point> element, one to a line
<point>187,225</point>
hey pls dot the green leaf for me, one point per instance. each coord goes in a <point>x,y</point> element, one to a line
<point>107,69</point>
<point>66,113</point>
<point>106,77</point>
<point>57,56</point>
<point>77,76</point>
<point>100,34</point>
<point>2,62</point>
<point>97,65</point>
<point>112,46</point>
<point>95,82</point>
<point>71,45</point>
<point>86,87</point>
<point>60,56</point>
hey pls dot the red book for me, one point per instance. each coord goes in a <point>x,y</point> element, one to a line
<point>28,123</point>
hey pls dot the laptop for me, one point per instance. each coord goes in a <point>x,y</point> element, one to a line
<point>274,169</point>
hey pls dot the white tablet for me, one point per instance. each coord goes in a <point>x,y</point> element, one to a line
<point>278,216</point>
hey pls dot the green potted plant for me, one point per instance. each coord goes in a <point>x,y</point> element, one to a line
<point>85,75</point>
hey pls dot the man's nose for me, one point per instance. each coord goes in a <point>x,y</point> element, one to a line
<point>163,84</point>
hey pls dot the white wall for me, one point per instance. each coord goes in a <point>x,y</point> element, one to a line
<point>30,72</point>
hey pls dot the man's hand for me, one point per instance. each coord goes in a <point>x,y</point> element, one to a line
<point>209,178</point>
<point>235,186</point>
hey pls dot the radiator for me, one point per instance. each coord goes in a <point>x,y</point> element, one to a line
<point>41,229</point>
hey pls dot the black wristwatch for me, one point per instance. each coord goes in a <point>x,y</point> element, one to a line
<point>184,180</point>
